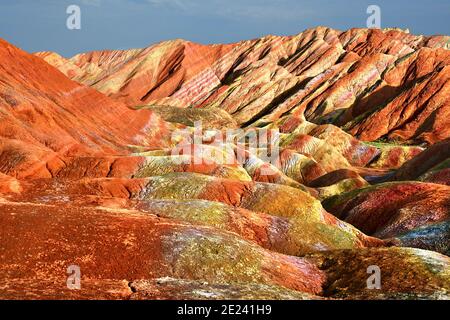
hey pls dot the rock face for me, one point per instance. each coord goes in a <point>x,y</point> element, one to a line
<point>103,167</point>
<point>46,118</point>
<point>400,209</point>
<point>144,246</point>
<point>432,165</point>
<point>423,275</point>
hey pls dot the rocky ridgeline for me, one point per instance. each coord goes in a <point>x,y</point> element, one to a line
<point>376,84</point>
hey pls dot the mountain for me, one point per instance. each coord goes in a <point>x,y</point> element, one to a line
<point>47,118</point>
<point>99,169</point>
<point>376,84</point>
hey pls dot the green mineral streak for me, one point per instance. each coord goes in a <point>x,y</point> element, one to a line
<point>308,232</point>
<point>233,173</point>
<point>162,165</point>
<point>136,149</point>
<point>381,144</point>
<point>157,166</point>
<point>218,259</point>
<point>287,139</point>
<point>338,188</point>
<point>296,165</point>
<point>209,213</point>
<point>210,116</point>
<point>176,186</point>
<point>153,153</point>
<point>284,201</point>
<point>316,236</point>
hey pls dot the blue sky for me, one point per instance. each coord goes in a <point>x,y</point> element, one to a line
<point>37,25</point>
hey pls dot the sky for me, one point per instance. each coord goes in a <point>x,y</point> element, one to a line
<point>40,25</point>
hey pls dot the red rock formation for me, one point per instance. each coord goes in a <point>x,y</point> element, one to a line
<point>394,209</point>
<point>434,156</point>
<point>47,117</point>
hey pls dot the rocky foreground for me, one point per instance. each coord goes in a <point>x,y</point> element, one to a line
<point>99,170</point>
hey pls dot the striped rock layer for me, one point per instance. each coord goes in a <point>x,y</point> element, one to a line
<point>374,83</point>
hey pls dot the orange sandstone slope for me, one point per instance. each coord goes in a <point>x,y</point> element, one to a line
<point>142,75</point>
<point>45,116</point>
<point>377,84</point>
